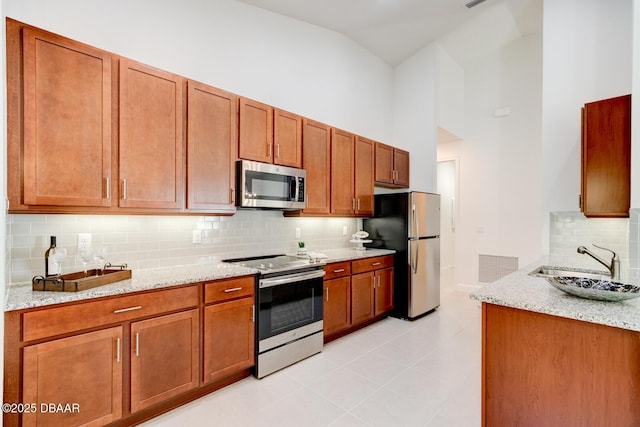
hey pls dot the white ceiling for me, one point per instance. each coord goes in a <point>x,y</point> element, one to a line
<point>395,29</point>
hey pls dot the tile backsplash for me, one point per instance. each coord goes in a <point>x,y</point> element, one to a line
<point>156,241</point>
<point>568,230</point>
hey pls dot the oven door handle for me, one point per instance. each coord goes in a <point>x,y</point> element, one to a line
<point>291,278</point>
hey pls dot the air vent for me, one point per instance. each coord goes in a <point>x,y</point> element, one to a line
<point>474,3</point>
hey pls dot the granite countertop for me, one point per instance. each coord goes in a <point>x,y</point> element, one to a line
<point>519,290</point>
<point>20,296</point>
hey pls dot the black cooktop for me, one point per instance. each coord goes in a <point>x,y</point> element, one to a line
<point>277,263</point>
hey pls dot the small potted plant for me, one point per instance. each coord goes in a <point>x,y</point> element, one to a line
<point>301,248</point>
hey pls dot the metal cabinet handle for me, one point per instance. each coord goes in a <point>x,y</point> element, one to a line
<point>353,204</point>
<point>373,279</point>
<point>124,310</point>
<point>375,263</point>
<point>108,195</point>
<point>233,195</point>
<point>226,291</point>
<point>340,270</point>
<point>253,313</point>
<point>124,189</point>
<point>358,204</point>
<point>137,344</point>
<point>268,150</point>
<point>118,350</point>
<point>327,298</point>
<point>278,150</point>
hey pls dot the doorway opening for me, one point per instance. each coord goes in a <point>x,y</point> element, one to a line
<point>447,187</point>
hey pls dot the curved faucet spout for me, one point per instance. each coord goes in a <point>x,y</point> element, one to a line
<point>613,267</point>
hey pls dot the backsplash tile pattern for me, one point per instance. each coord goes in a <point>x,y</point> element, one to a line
<point>634,239</point>
<point>155,241</point>
<point>568,230</point>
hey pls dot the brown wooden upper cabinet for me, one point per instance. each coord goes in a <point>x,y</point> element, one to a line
<point>606,158</point>
<point>316,160</point>
<point>351,174</point>
<point>212,144</point>
<point>269,135</point>
<point>392,166</point>
<point>67,122</point>
<point>151,144</point>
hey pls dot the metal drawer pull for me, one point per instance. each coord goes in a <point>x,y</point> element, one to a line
<point>340,270</point>
<point>124,189</point>
<point>232,290</point>
<point>137,343</point>
<point>253,314</point>
<point>124,310</point>
<point>327,289</point>
<point>375,263</point>
<point>118,350</point>
<point>108,187</point>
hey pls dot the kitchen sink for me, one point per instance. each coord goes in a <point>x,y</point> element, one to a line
<point>584,283</point>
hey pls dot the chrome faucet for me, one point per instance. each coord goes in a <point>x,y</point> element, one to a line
<point>613,267</point>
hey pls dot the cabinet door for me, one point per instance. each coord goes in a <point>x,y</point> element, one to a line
<point>287,139</point>
<point>151,147</point>
<point>364,176</point>
<point>256,131</point>
<point>67,122</point>
<point>317,162</point>
<point>384,164</point>
<point>164,358</point>
<point>606,157</point>
<point>342,172</point>
<point>362,297</point>
<point>94,383</point>
<point>384,290</point>
<point>401,167</point>
<point>228,338</point>
<point>212,132</point>
<point>337,305</point>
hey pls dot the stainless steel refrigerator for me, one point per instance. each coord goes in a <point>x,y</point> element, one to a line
<point>409,223</point>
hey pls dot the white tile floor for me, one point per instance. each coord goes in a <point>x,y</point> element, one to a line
<point>393,373</point>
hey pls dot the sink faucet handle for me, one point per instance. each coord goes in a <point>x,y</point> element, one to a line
<point>614,255</point>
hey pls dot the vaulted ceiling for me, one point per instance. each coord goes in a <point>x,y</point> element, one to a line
<point>395,29</point>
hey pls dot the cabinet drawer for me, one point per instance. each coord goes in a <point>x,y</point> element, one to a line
<point>222,290</point>
<point>369,264</point>
<point>337,269</point>
<point>76,317</point>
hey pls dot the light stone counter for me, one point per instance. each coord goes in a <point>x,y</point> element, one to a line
<point>519,290</point>
<point>20,296</point>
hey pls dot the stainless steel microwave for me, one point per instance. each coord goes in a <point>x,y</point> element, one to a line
<point>263,185</point>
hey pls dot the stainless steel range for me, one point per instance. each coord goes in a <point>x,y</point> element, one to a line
<point>289,301</point>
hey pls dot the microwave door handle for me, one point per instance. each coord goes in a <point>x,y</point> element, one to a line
<point>293,188</point>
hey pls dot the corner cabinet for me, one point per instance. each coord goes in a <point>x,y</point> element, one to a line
<point>67,122</point>
<point>606,158</point>
<point>151,147</point>
<point>212,146</point>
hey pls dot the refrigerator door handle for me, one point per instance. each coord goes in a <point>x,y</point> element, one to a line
<point>414,219</point>
<point>414,256</point>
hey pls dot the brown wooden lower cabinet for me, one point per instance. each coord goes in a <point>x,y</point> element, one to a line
<point>228,338</point>
<point>337,305</point>
<point>353,301</point>
<point>134,367</point>
<point>543,370</point>
<point>93,386</point>
<point>164,357</point>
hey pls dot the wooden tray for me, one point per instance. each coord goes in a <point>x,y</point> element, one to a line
<point>74,282</point>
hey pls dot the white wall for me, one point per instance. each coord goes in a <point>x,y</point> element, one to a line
<point>414,115</point>
<point>449,93</point>
<point>587,56</point>
<point>246,50</point>
<point>635,118</point>
<point>499,167</point>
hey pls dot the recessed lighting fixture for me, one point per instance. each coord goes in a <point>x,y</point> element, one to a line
<point>474,3</point>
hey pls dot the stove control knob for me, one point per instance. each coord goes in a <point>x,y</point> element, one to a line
<point>262,266</point>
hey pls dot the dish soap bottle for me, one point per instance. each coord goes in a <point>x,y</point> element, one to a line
<point>46,256</point>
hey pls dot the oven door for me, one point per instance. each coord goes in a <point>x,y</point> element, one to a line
<point>289,302</point>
